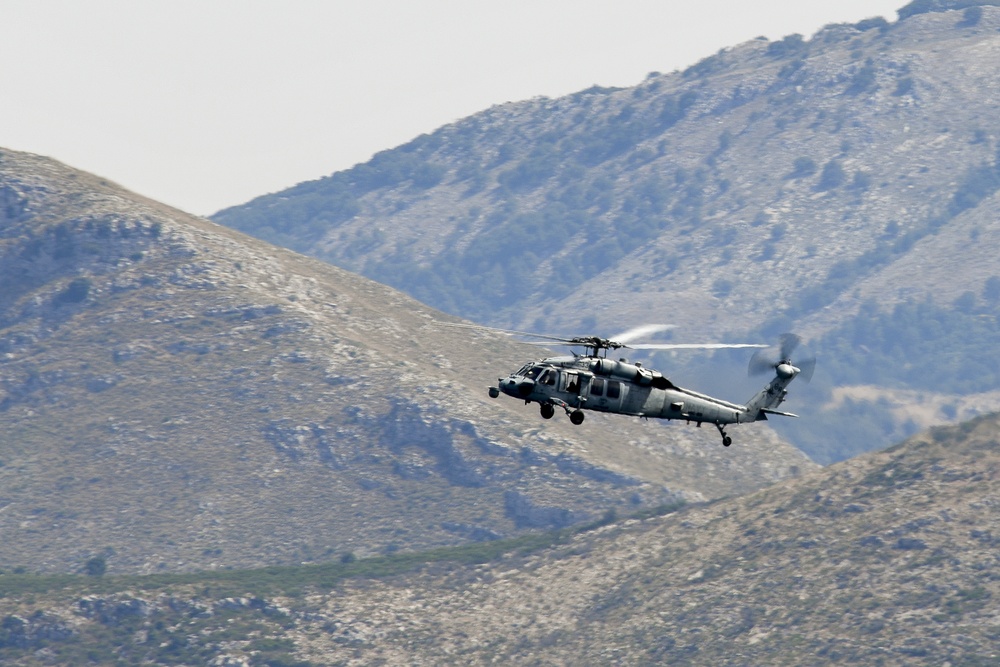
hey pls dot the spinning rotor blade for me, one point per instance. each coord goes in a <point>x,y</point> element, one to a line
<point>766,361</point>
<point>806,368</point>
<point>691,346</point>
<point>641,332</point>
<point>789,342</point>
<point>621,340</point>
<point>644,330</point>
<point>650,329</point>
<point>763,361</point>
<point>580,341</point>
<point>510,332</point>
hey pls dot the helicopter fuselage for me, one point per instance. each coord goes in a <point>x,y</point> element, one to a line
<point>597,383</point>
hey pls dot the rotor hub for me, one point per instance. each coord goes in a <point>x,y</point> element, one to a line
<point>786,371</point>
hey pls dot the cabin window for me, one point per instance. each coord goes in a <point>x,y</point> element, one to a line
<point>597,387</point>
<point>614,389</point>
<point>571,383</point>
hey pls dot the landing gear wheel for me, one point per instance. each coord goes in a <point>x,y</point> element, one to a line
<point>726,440</point>
<point>547,410</point>
<point>576,417</point>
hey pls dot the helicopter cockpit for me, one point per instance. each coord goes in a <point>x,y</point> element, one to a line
<point>529,371</point>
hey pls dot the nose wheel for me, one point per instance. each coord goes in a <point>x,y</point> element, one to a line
<point>726,440</point>
<point>547,410</point>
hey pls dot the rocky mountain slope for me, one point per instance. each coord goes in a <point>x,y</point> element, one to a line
<point>741,186</point>
<point>798,184</point>
<point>886,559</point>
<point>177,396</point>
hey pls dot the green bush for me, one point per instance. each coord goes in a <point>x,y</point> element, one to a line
<point>532,172</point>
<point>832,177</point>
<point>872,23</point>
<point>789,46</point>
<point>76,292</point>
<point>722,287</point>
<point>971,17</point>
<point>991,290</point>
<point>863,80</point>
<point>903,87</point>
<point>862,181</point>
<point>803,167</point>
<point>918,7</point>
<point>977,184</point>
<point>928,6</point>
<point>96,566</point>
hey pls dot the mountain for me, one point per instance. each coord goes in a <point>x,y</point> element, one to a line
<point>176,396</point>
<point>887,559</point>
<point>843,187</point>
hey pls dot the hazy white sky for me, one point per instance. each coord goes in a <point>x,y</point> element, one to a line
<point>204,104</point>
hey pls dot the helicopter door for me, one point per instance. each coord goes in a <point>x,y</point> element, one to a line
<point>569,383</point>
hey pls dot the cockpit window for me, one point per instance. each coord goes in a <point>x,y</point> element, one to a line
<point>523,370</point>
<point>533,372</point>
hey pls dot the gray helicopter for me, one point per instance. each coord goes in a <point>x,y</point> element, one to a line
<point>593,382</point>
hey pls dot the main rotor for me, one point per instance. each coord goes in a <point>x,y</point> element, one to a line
<point>594,345</point>
<point>598,347</point>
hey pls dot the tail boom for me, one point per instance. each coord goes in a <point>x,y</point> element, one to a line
<point>767,399</point>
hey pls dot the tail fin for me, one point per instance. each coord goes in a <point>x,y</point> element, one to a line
<point>780,361</point>
<point>771,396</point>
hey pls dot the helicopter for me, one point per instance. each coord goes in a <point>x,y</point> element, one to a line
<point>592,381</point>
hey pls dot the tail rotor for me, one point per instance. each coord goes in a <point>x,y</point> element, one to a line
<point>778,359</point>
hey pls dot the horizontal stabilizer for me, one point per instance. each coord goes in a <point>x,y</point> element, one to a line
<point>777,412</point>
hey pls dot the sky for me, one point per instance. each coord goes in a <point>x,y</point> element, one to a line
<point>205,104</point>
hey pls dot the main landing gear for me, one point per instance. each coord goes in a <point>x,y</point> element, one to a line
<point>547,410</point>
<point>726,440</point>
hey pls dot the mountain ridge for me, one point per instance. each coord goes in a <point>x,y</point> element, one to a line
<point>731,88</point>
